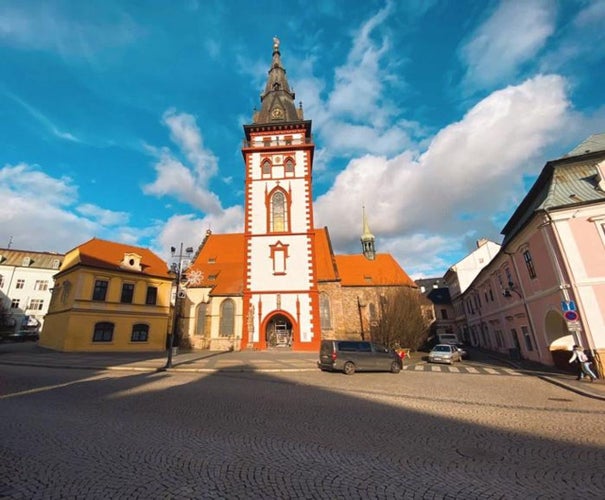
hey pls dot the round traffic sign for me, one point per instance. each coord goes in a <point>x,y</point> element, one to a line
<point>570,315</point>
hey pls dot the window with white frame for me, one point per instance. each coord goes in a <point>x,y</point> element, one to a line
<point>41,285</point>
<point>1,281</point>
<point>15,303</point>
<point>36,304</point>
<point>20,284</point>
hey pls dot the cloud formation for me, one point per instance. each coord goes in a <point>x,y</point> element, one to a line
<point>511,36</point>
<point>471,170</point>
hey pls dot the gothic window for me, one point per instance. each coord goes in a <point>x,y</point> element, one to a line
<point>279,222</point>
<point>227,322</point>
<point>200,322</point>
<point>289,166</point>
<point>324,311</point>
<point>266,168</point>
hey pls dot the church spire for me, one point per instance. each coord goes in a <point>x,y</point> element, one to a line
<point>367,239</point>
<point>277,100</point>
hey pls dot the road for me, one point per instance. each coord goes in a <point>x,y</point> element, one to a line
<point>417,434</point>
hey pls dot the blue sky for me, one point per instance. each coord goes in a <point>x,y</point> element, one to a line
<point>122,119</point>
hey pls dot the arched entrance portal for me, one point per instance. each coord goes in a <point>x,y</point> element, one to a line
<point>278,332</point>
<point>559,339</point>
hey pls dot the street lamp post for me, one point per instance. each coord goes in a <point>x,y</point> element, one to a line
<point>176,268</point>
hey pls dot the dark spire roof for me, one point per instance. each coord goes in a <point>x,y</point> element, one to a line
<point>277,100</point>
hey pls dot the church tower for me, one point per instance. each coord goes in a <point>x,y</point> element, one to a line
<point>367,239</point>
<point>280,294</point>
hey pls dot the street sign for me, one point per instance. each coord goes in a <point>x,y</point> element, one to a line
<point>571,315</point>
<point>568,305</point>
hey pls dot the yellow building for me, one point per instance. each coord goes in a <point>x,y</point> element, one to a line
<point>109,297</point>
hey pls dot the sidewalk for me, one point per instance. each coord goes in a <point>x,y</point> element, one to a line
<point>554,375</point>
<point>30,354</point>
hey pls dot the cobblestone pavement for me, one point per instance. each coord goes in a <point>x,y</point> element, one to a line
<point>235,435</point>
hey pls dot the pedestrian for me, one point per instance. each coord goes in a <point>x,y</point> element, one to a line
<point>583,363</point>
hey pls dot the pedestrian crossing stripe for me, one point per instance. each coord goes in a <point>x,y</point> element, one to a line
<point>425,367</point>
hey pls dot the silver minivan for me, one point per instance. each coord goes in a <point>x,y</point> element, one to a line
<point>349,356</point>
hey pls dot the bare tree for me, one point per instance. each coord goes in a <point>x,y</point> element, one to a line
<point>404,320</point>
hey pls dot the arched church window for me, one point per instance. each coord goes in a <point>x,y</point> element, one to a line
<point>324,311</point>
<point>373,315</point>
<point>279,212</point>
<point>200,320</point>
<point>227,323</point>
<point>266,167</point>
<point>289,166</point>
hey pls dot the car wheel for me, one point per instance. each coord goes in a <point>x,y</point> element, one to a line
<point>348,368</point>
<point>395,368</point>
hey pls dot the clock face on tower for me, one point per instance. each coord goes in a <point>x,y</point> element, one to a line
<point>277,113</point>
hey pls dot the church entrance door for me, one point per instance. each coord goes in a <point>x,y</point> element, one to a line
<point>279,332</point>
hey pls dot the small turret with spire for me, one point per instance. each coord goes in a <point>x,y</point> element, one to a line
<point>367,239</point>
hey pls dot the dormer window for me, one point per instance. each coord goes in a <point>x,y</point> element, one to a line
<point>131,261</point>
<point>56,263</point>
<point>26,261</point>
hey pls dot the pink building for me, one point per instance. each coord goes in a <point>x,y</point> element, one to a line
<point>545,289</point>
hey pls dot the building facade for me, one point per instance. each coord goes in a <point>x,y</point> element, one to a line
<point>545,290</point>
<point>109,297</point>
<point>459,277</point>
<point>26,281</point>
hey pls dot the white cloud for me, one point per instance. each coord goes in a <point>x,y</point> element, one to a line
<point>187,183</point>
<point>103,216</point>
<point>513,35</point>
<point>47,27</point>
<point>35,210</point>
<point>471,169</point>
<point>190,230</point>
<point>355,117</point>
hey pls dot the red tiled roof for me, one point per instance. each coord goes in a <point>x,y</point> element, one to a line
<point>220,259</point>
<point>324,257</point>
<point>356,270</point>
<point>108,255</point>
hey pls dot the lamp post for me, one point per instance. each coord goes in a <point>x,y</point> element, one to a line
<point>176,268</point>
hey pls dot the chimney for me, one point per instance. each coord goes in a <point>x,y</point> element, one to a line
<point>481,242</point>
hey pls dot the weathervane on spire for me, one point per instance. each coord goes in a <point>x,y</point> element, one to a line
<point>275,43</point>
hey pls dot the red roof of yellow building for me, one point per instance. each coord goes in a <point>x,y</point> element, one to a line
<point>110,255</point>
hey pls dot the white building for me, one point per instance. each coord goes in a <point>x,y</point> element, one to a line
<point>26,281</point>
<point>461,275</point>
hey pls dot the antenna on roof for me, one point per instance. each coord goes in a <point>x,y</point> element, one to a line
<point>10,242</point>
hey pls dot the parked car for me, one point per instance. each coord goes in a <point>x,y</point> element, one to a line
<point>444,353</point>
<point>350,356</point>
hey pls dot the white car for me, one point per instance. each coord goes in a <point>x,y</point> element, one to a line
<point>444,353</point>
